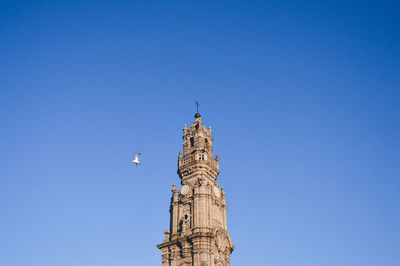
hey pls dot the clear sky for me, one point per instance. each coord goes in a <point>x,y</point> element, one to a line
<point>303,98</point>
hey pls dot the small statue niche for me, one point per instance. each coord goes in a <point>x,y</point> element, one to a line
<point>184,225</point>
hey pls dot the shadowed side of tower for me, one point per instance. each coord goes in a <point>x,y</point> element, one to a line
<point>198,233</point>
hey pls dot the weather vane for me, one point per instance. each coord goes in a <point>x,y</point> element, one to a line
<point>197,106</point>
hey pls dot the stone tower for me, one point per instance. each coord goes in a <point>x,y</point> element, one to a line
<point>198,233</point>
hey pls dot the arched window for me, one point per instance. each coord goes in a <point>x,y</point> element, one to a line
<point>191,142</point>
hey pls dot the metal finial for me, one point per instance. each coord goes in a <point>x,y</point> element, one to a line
<point>197,106</point>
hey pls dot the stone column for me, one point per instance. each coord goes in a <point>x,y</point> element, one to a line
<point>224,208</point>
<point>174,255</point>
<point>202,207</point>
<point>196,252</point>
<point>174,213</point>
<point>196,210</point>
<point>165,256</point>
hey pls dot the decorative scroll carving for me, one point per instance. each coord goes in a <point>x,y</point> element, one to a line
<point>223,241</point>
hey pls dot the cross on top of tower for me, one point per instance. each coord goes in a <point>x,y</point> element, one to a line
<point>197,109</point>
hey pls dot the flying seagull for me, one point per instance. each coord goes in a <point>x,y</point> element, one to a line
<point>136,161</point>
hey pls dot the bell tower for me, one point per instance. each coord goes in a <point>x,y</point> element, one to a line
<point>197,234</point>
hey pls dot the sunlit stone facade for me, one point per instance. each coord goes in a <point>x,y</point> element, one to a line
<point>198,233</point>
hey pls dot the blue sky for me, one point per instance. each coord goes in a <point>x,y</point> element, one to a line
<point>304,93</point>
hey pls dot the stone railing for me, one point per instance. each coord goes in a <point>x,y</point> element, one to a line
<point>192,158</point>
<point>187,160</point>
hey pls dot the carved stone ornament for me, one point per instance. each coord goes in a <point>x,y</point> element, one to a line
<point>223,241</point>
<point>216,191</point>
<point>185,189</point>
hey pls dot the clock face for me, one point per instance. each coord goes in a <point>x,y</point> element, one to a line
<point>185,189</point>
<point>217,193</point>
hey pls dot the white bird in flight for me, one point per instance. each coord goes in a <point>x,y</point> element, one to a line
<point>136,161</point>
